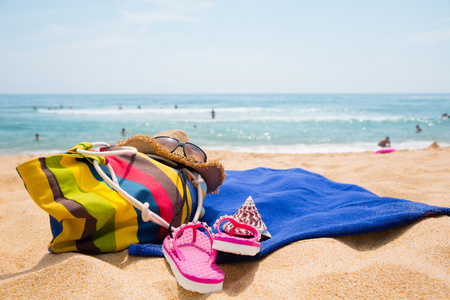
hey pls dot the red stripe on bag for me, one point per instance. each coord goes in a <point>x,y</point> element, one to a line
<point>129,172</point>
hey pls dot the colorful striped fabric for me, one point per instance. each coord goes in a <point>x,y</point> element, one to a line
<point>88,216</point>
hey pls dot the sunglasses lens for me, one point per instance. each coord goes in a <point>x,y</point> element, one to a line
<point>168,142</point>
<point>193,150</point>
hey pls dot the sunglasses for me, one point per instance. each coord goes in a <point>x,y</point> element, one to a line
<point>189,149</point>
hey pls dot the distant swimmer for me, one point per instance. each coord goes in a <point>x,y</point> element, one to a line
<point>384,142</point>
<point>176,106</point>
<point>120,106</point>
<point>139,107</point>
<point>123,132</point>
<point>445,115</point>
<point>213,114</point>
<point>418,129</point>
<point>36,137</point>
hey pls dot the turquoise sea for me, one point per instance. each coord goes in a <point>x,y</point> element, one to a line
<point>278,123</point>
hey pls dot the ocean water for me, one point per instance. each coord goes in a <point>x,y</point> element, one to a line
<point>278,123</point>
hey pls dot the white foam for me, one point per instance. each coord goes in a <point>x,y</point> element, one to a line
<point>231,114</point>
<point>324,148</point>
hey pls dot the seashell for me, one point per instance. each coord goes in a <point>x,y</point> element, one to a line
<point>248,214</point>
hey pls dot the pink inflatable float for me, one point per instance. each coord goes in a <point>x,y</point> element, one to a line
<point>385,150</point>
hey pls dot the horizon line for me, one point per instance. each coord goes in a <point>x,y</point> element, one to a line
<point>232,93</point>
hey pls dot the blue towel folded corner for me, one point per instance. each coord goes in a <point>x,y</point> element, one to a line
<point>296,204</point>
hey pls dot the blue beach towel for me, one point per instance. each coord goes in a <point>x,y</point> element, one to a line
<point>296,204</point>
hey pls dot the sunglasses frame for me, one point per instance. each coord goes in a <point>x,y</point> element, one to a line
<point>180,144</point>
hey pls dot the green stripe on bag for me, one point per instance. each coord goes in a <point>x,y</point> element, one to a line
<point>101,226</point>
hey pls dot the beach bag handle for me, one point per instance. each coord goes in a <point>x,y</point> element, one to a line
<point>147,214</point>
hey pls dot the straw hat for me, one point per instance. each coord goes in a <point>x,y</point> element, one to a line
<point>212,171</point>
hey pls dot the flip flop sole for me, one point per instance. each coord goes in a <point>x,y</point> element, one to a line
<point>235,248</point>
<point>203,288</point>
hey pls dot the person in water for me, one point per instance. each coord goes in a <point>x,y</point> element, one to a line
<point>418,129</point>
<point>384,142</point>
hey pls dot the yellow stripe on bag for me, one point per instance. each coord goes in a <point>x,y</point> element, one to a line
<point>66,240</point>
<point>40,191</point>
<point>125,220</point>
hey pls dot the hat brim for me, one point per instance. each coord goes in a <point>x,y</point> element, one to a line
<point>212,171</point>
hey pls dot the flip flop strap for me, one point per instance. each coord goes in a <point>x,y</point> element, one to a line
<point>194,227</point>
<point>236,224</point>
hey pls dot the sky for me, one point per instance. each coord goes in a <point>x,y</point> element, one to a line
<point>228,46</point>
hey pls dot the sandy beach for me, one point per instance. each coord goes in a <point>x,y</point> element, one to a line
<point>407,262</point>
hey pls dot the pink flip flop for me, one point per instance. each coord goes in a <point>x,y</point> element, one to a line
<point>192,259</point>
<point>229,242</point>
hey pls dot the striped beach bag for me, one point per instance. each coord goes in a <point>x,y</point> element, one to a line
<point>104,200</point>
